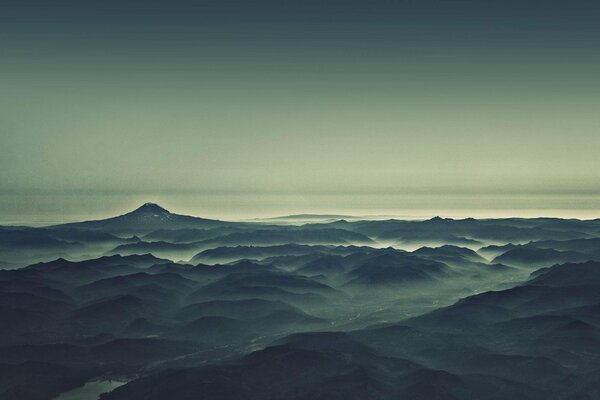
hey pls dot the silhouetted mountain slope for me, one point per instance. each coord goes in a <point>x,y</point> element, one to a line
<point>279,236</point>
<point>494,251</point>
<point>186,235</point>
<point>23,246</point>
<point>270,278</point>
<point>138,261</point>
<point>469,231</point>
<point>448,253</point>
<point>231,322</point>
<point>434,237</point>
<point>155,248</point>
<point>113,314</point>
<point>582,274</point>
<point>237,309</point>
<point>145,219</point>
<point>586,246</point>
<point>589,314</point>
<point>325,265</point>
<point>264,284</point>
<point>533,257</point>
<point>164,286</point>
<point>35,239</point>
<point>394,268</point>
<point>228,254</point>
<point>65,272</point>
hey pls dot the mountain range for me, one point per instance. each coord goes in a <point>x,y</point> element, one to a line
<point>181,307</point>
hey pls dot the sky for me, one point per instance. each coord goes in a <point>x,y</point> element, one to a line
<point>257,108</point>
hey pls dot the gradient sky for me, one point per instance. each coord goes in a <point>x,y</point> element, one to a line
<point>284,100</point>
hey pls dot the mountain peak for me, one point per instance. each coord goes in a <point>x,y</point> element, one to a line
<point>151,208</point>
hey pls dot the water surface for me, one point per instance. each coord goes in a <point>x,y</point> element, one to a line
<point>91,390</point>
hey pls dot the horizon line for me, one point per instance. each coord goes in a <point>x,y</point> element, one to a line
<point>401,215</point>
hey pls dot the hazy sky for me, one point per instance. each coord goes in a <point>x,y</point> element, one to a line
<point>292,99</point>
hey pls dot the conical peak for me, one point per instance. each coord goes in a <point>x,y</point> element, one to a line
<point>151,208</point>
